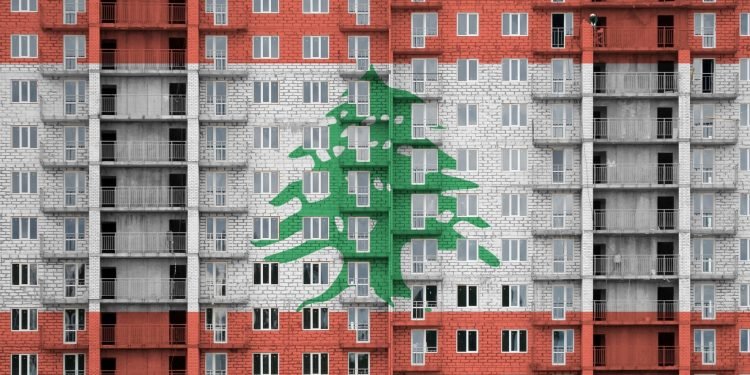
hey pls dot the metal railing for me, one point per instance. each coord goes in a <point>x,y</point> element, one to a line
<point>150,151</point>
<point>635,265</point>
<point>146,106</point>
<point>637,310</point>
<point>142,13</point>
<point>140,243</point>
<point>635,83</point>
<point>635,356</point>
<point>144,289</point>
<point>630,174</point>
<point>556,175</point>
<point>661,37</point>
<point>142,335</point>
<point>143,197</point>
<point>636,129</point>
<point>720,221</point>
<point>715,175</point>
<point>141,60</point>
<point>629,220</point>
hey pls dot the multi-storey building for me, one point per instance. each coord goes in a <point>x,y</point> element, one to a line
<point>227,187</point>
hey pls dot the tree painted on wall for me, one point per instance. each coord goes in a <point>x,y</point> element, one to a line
<point>385,284</point>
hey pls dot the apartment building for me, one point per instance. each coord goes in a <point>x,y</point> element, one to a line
<point>367,187</point>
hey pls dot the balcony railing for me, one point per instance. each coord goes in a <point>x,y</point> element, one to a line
<point>635,265</point>
<point>719,222</point>
<point>714,176</point>
<point>143,289</point>
<point>635,357</point>
<point>635,174</point>
<point>639,221</point>
<point>143,197</point>
<point>555,176</point>
<point>143,152</point>
<point>142,13</point>
<point>714,131</point>
<point>650,39</point>
<point>144,243</point>
<point>636,129</point>
<point>635,311</point>
<point>143,60</point>
<point>143,335</point>
<point>143,107</point>
<point>635,83</point>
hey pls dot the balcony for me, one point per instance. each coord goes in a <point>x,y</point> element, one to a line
<point>134,107</point>
<point>636,84</point>
<point>425,86</point>
<point>545,269</point>
<point>635,266</point>
<point>68,68</point>
<point>626,176</point>
<point>721,176</point>
<point>714,223</point>
<point>636,130</point>
<point>612,357</point>
<point>143,61</point>
<point>145,15</point>
<point>143,290</point>
<point>213,293</point>
<point>555,177</point>
<point>52,156</point>
<point>410,5</point>
<point>621,221</point>
<point>143,197</point>
<point>557,88</point>
<point>143,244</point>
<point>153,153</point>
<point>143,336</point>
<point>713,268</point>
<point>628,40</point>
<point>622,312</point>
<point>557,42</point>
<point>59,247</point>
<point>55,200</point>
<point>547,224</point>
<point>214,109</point>
<point>556,134</point>
<point>54,292</point>
<point>56,109</point>
<point>714,131</point>
<point>715,86</point>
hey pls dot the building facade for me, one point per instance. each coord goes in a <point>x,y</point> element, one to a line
<point>363,187</point>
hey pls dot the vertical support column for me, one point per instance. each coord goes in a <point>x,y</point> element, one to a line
<point>684,205</point>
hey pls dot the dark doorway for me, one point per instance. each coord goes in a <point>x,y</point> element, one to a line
<point>666,79</point>
<point>109,233</point>
<point>109,100</point>
<point>666,349</point>
<point>600,167</point>
<point>665,259</point>
<point>600,214</point>
<point>177,364</point>
<point>177,143</point>
<point>600,261</point>
<point>177,229</point>
<point>601,127</point>
<point>177,322</point>
<point>108,190</point>
<point>177,184</point>
<point>665,307</point>
<point>600,78</point>
<point>665,31</point>
<point>707,75</point>
<point>600,304</point>
<point>665,168</point>
<point>558,30</point>
<point>109,321</point>
<point>177,12</point>
<point>664,123</point>
<point>109,142</point>
<point>600,350</point>
<point>177,47</point>
<point>177,278</point>
<point>177,91</point>
<point>109,50</point>
<point>108,364</point>
<point>665,213</point>
<point>600,32</point>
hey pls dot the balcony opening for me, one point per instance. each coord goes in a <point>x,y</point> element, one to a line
<point>600,167</point>
<point>665,258</point>
<point>600,264</point>
<point>109,53</point>
<point>600,350</point>
<point>177,365</point>
<point>177,277</point>
<point>601,125</point>
<point>665,168</point>
<point>177,48</point>
<point>177,236</point>
<point>177,144</point>
<point>666,79</point>
<point>558,30</point>
<point>177,184</point>
<point>707,67</point>
<point>600,78</point>
<point>109,321</point>
<point>665,303</point>
<point>109,11</point>
<point>600,304</point>
<point>109,99</point>
<point>177,91</point>
<point>108,365</point>
<point>177,322</point>
<point>109,142</point>
<point>109,283</point>
<point>108,189</point>
<point>109,235</point>
<point>665,213</point>
<point>665,31</point>
<point>176,12</point>
<point>664,123</point>
<point>666,349</point>
<point>600,32</point>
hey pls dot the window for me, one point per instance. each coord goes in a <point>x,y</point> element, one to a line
<point>744,295</point>
<point>75,276</point>
<point>744,249</point>
<point>514,159</point>
<point>216,363</point>
<point>216,50</point>
<point>744,69</point>
<point>23,91</point>
<point>315,92</point>
<point>23,6</point>
<point>216,96</point>
<point>423,161</point>
<point>315,318</point>
<point>23,228</point>
<point>562,252</point>
<point>266,364</point>
<point>216,279</point>
<point>266,182</point>
<point>422,72</point>
<point>359,321</point>
<point>74,48</point>
<point>359,186</point>
<point>705,26</point>
<point>468,160</point>
<point>265,6</point>
<point>467,296</point>
<point>216,143</point>
<point>74,188</point>
<point>467,69</point>
<point>467,341</point>
<point>266,137</point>
<point>468,205</point>
<point>513,341</point>
<point>216,321</point>
<point>314,6</point>
<point>562,210</point>
<point>705,300</point>
<point>423,115</point>
<point>468,24</point>
<point>23,274</point>
<point>74,364</point>
<point>315,138</point>
<point>23,364</point>
<point>359,231</point>
<point>219,10</point>
<point>315,273</point>
<point>744,114</point>
<point>744,340</point>
<point>359,278</point>
<point>744,204</point>
<point>423,25</point>
<point>361,8</point>
<point>265,273</point>
<point>315,182</point>
<point>75,232</point>
<point>315,364</point>
<point>24,183</point>
<point>75,96</point>
<point>359,95</point>
<point>703,209</point>
<point>562,343</point>
<point>560,32</point>
<point>468,115</point>
<point>514,204</point>
<point>515,24</point>
<point>23,46</point>
<point>315,228</point>
<point>265,92</point>
<point>23,320</point>
<point>315,47</point>
<point>216,188</point>
<point>216,233</point>
<point>422,251</point>
<point>705,343</point>
<point>74,320</point>
<point>562,120</point>
<point>744,159</point>
<point>514,250</point>
<point>514,70</point>
<point>744,24</point>
<point>359,140</point>
<point>265,47</point>
<point>562,300</point>
<point>423,206</point>
<point>467,250</point>
<point>265,318</point>
<point>423,341</point>
<point>359,50</point>
<point>24,136</point>
<point>514,295</point>
<point>71,8</point>
<point>359,363</point>
<point>423,299</point>
<point>514,115</point>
